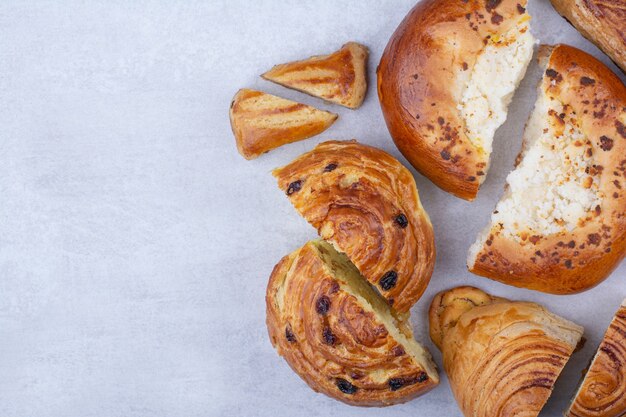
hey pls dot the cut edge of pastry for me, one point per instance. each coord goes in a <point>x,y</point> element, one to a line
<point>581,382</point>
<point>339,77</point>
<point>262,122</point>
<point>585,372</point>
<point>495,77</point>
<point>339,266</point>
<point>544,142</point>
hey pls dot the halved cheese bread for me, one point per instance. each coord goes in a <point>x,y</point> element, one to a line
<point>603,389</point>
<point>365,202</point>
<point>340,77</point>
<point>445,82</point>
<point>339,335</point>
<point>502,357</point>
<point>262,122</point>
<point>561,226</point>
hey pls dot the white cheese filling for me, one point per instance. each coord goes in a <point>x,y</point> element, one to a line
<point>555,186</point>
<point>494,78</point>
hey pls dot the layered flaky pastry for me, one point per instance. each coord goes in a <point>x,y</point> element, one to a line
<point>364,202</point>
<point>560,226</point>
<point>262,122</point>
<point>603,389</point>
<point>502,357</point>
<point>445,82</point>
<point>603,22</point>
<point>339,335</point>
<point>340,77</point>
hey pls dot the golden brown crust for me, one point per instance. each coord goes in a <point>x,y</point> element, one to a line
<point>603,22</point>
<point>262,122</point>
<point>603,391</point>
<point>340,77</point>
<point>418,88</point>
<point>493,345</point>
<point>332,341</point>
<point>366,204</point>
<point>570,262</point>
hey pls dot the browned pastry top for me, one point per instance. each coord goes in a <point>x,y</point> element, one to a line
<point>366,204</point>
<point>603,391</point>
<point>331,336</point>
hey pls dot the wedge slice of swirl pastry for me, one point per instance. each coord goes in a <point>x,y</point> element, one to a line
<point>365,203</point>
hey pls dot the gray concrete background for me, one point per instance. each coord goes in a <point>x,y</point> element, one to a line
<point>135,243</point>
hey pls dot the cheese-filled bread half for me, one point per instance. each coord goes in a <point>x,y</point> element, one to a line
<point>339,335</point>
<point>340,77</point>
<point>603,389</point>
<point>262,122</point>
<point>502,357</point>
<point>365,203</point>
<point>445,82</point>
<point>560,226</point>
<point>603,22</point>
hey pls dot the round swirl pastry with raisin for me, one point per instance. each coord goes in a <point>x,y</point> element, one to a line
<point>603,390</point>
<point>502,357</point>
<point>365,203</point>
<point>339,335</point>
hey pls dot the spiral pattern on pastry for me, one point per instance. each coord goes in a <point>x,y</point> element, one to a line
<point>603,390</point>
<point>502,357</point>
<point>338,335</point>
<point>364,202</point>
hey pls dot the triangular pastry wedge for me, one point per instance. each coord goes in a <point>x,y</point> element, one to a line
<point>262,122</point>
<point>340,77</point>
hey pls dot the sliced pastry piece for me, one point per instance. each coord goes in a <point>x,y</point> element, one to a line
<point>340,77</point>
<point>262,122</point>
<point>445,82</point>
<point>602,22</point>
<point>502,357</point>
<point>560,226</point>
<point>603,389</point>
<point>339,335</point>
<point>364,202</point>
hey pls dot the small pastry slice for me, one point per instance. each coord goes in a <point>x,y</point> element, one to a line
<point>559,227</point>
<point>603,389</point>
<point>340,77</point>
<point>262,122</point>
<point>365,203</point>
<point>502,357</point>
<point>602,22</point>
<point>339,335</point>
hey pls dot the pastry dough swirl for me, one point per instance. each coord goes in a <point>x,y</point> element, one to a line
<point>364,202</point>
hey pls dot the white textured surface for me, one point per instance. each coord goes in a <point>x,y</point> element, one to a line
<point>135,243</point>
